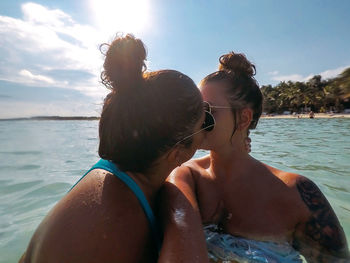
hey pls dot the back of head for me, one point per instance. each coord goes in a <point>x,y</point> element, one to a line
<point>124,63</point>
<point>242,89</point>
<point>146,113</point>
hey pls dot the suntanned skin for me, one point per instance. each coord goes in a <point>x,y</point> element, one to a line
<point>321,235</point>
<point>184,239</point>
<point>235,205</point>
<point>88,226</point>
<point>268,204</point>
<point>101,220</point>
<point>248,198</point>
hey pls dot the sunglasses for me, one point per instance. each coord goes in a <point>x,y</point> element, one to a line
<point>209,121</point>
<point>209,108</point>
<point>208,124</point>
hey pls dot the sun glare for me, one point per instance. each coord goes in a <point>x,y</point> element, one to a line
<point>128,16</point>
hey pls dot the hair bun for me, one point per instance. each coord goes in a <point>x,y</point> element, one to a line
<point>124,63</point>
<point>237,63</point>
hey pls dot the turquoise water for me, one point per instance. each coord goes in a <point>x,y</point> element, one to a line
<point>40,161</point>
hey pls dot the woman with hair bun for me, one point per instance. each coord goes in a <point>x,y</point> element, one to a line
<point>251,211</point>
<point>151,122</point>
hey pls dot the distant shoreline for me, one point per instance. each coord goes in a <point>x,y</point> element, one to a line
<point>93,118</point>
<point>306,116</point>
<point>54,118</point>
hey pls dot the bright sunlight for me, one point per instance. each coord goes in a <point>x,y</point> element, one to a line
<point>129,16</point>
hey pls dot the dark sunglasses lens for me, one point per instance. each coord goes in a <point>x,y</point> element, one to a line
<point>209,122</point>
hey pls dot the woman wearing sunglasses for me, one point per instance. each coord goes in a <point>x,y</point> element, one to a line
<point>151,122</point>
<point>251,211</point>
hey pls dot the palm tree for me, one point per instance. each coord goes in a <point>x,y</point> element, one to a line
<point>343,81</point>
<point>269,95</point>
<point>316,93</point>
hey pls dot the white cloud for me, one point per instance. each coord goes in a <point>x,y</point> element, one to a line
<point>38,14</point>
<point>34,78</point>
<point>331,73</point>
<point>45,41</point>
<point>292,77</point>
<point>327,74</point>
<point>17,109</point>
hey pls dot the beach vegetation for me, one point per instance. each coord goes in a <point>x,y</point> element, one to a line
<point>316,94</point>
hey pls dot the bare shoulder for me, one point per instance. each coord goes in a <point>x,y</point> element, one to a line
<point>199,163</point>
<point>111,209</point>
<point>181,177</point>
<point>288,178</point>
<point>187,179</point>
<point>318,234</point>
<point>321,235</point>
<point>283,186</point>
<point>317,204</point>
<point>190,171</point>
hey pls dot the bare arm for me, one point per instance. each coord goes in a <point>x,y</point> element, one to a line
<point>21,260</point>
<point>184,239</point>
<point>321,238</point>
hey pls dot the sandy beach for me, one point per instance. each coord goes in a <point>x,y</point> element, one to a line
<point>306,116</point>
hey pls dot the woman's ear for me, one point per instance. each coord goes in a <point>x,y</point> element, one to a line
<point>246,117</point>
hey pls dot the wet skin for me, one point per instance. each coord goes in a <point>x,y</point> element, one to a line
<point>101,220</point>
<point>274,205</point>
<point>248,198</point>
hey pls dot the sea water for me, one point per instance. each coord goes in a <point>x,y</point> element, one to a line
<point>41,160</point>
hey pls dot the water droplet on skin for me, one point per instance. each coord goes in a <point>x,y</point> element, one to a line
<point>179,217</point>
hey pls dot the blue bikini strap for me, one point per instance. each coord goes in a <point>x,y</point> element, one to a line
<point>112,168</point>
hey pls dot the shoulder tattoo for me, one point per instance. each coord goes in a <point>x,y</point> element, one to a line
<point>323,226</point>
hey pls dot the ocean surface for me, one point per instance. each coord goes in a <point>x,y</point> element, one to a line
<point>41,160</point>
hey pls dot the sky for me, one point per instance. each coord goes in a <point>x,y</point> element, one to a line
<point>50,62</point>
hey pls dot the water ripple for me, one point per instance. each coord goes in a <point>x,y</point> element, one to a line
<point>35,175</point>
<point>21,152</point>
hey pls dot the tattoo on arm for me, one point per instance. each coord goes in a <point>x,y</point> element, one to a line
<point>323,229</point>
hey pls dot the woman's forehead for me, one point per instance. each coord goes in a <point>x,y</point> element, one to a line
<point>213,92</point>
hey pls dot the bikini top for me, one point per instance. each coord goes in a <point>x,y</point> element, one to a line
<point>228,248</point>
<point>112,168</point>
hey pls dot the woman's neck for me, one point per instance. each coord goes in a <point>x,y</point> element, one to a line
<point>151,181</point>
<point>233,158</point>
<point>232,162</point>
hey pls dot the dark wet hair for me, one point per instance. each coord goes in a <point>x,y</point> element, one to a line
<point>242,88</point>
<point>145,114</point>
